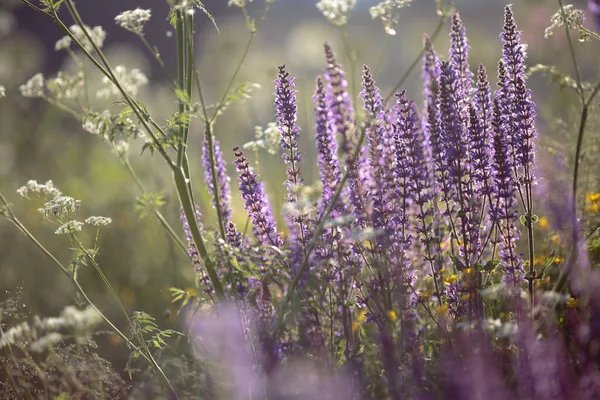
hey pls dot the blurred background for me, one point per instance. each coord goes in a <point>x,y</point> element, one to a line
<point>41,142</point>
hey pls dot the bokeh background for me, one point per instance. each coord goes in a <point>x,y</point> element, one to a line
<point>41,142</point>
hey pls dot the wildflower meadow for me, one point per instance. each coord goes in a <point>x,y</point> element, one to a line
<point>435,237</point>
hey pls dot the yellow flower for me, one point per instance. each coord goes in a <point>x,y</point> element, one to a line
<point>543,222</point>
<point>392,316</point>
<point>572,302</point>
<point>362,317</point>
<point>558,259</point>
<point>442,310</point>
<point>451,279</point>
<point>355,326</point>
<point>593,197</point>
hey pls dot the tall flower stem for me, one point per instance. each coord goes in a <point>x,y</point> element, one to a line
<point>181,178</point>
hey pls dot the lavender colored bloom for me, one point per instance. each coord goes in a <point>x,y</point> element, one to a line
<point>480,133</point>
<point>256,203</point>
<point>512,50</point>
<point>285,103</point>
<point>455,135</point>
<point>329,167</point>
<point>594,7</point>
<point>222,192</point>
<point>431,72</point>
<point>503,205</point>
<point>459,58</point>
<point>203,278</point>
<point>340,103</point>
<point>415,189</point>
<point>380,140</point>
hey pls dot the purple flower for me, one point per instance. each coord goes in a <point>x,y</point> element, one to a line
<point>203,278</point>
<point>285,102</point>
<point>380,140</point>
<point>222,192</point>
<point>459,58</point>
<point>256,203</point>
<point>329,168</point>
<point>503,204</point>
<point>480,133</point>
<point>340,103</point>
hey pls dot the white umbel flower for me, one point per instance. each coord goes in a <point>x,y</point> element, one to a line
<point>47,189</point>
<point>98,221</point>
<point>129,80</point>
<point>69,227</point>
<point>96,33</point>
<point>34,87</point>
<point>336,11</point>
<point>133,20</point>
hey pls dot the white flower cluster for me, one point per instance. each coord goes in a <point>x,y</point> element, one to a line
<point>63,43</point>
<point>133,20</point>
<point>121,148</point>
<point>387,12</point>
<point>98,221</point>
<point>42,332</point>
<point>268,139</point>
<point>336,11</point>
<point>97,124</point>
<point>34,87</point>
<point>238,3</point>
<point>2,92</point>
<point>570,17</point>
<point>60,206</point>
<point>129,80</point>
<point>69,227</point>
<point>96,33</point>
<point>47,189</point>
<point>66,86</point>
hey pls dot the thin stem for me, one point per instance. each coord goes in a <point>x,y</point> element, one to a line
<point>235,73</point>
<point>324,217</point>
<point>416,61</point>
<point>381,56</point>
<point>572,51</point>
<point>154,51</point>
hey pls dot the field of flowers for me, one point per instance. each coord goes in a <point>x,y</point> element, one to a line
<point>436,238</point>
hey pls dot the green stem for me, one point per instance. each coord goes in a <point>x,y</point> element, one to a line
<point>324,217</point>
<point>156,211</point>
<point>416,61</point>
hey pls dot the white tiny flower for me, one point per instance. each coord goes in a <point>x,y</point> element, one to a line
<point>121,148</point>
<point>46,190</point>
<point>69,227</point>
<point>34,87</point>
<point>65,86</point>
<point>336,11</point>
<point>60,206</point>
<point>63,43</point>
<point>2,92</point>
<point>96,33</point>
<point>133,20</point>
<point>98,221</point>
<point>569,16</point>
<point>129,80</point>
<point>238,3</point>
<point>387,12</point>
<point>46,342</point>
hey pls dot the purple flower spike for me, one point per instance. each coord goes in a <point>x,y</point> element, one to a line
<point>329,167</point>
<point>256,203</point>
<point>381,153</point>
<point>459,58</point>
<point>513,51</point>
<point>503,205</point>
<point>285,103</point>
<point>222,191</point>
<point>340,103</point>
<point>193,251</point>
